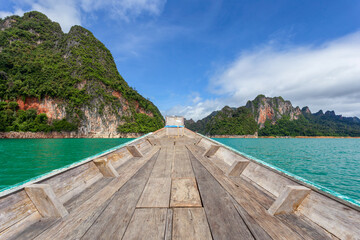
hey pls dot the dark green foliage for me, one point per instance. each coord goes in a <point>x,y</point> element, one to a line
<point>142,123</point>
<point>228,121</point>
<point>39,60</point>
<point>12,119</point>
<point>240,121</point>
<point>312,125</point>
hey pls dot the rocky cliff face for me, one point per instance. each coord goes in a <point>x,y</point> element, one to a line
<point>272,109</point>
<point>69,76</point>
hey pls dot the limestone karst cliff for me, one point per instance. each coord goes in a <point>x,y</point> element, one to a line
<point>274,116</point>
<point>66,76</point>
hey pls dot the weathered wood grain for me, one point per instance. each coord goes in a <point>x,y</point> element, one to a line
<point>169,224</point>
<point>32,231</point>
<point>156,193</point>
<point>45,200</point>
<point>182,166</point>
<point>106,168</point>
<point>76,223</point>
<point>302,226</point>
<point>184,193</point>
<point>289,200</point>
<point>147,224</point>
<point>163,165</point>
<point>190,223</point>
<point>338,219</point>
<point>14,208</point>
<point>87,193</point>
<point>273,226</point>
<point>113,221</point>
<point>225,222</point>
<point>65,182</point>
<point>255,229</point>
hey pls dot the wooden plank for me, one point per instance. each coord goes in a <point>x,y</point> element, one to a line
<point>147,224</point>
<point>106,168</point>
<point>156,193</point>
<point>80,188</point>
<point>76,223</point>
<point>113,221</point>
<point>163,165</point>
<point>273,226</point>
<point>87,193</point>
<point>45,200</point>
<point>184,193</point>
<point>254,191</point>
<point>65,182</point>
<point>289,200</point>
<point>212,150</point>
<point>182,165</point>
<point>303,227</point>
<point>169,224</point>
<point>237,168</point>
<point>224,220</point>
<point>14,208</point>
<point>190,223</point>
<point>253,226</point>
<point>31,231</point>
<point>134,151</point>
<point>340,220</point>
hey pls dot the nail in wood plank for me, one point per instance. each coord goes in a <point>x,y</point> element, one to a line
<point>45,200</point>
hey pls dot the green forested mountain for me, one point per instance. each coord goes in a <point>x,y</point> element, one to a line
<point>71,78</point>
<point>275,117</point>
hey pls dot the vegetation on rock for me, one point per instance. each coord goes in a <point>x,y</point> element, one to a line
<point>14,119</point>
<point>281,119</point>
<point>38,60</point>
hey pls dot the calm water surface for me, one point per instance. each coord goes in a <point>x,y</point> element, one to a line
<point>22,159</point>
<point>332,163</point>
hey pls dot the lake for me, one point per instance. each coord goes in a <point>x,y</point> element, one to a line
<point>22,159</point>
<point>332,163</point>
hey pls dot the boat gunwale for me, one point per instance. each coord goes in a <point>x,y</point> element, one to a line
<point>342,199</point>
<point>19,186</point>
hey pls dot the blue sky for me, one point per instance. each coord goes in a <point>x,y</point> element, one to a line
<point>193,57</point>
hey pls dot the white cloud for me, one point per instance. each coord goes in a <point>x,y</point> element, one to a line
<point>322,77</point>
<point>196,111</point>
<point>72,12</point>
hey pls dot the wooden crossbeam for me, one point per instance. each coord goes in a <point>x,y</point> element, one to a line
<point>45,200</point>
<point>289,200</point>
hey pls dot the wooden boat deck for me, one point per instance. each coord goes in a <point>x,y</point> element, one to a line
<point>174,191</point>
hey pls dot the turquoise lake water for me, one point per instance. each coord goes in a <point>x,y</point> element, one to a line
<point>332,163</point>
<point>22,159</point>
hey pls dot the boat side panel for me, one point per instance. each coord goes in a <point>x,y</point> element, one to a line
<point>267,179</point>
<point>336,218</point>
<point>16,208</point>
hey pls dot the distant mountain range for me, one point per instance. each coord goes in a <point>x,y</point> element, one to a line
<point>274,116</point>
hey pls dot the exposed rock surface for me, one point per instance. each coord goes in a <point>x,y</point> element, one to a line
<point>69,76</point>
<point>67,135</point>
<point>273,109</point>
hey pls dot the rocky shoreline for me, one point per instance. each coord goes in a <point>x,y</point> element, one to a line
<point>18,135</point>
